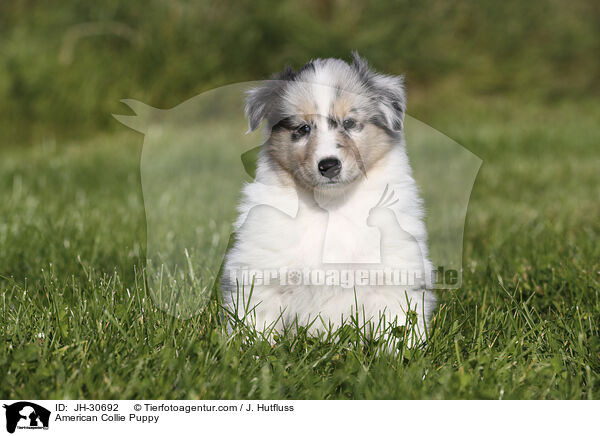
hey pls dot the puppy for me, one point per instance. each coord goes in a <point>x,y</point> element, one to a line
<point>332,229</point>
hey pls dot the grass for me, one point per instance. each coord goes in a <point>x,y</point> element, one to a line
<point>77,320</point>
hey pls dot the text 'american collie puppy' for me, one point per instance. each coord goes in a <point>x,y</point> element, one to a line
<point>332,229</point>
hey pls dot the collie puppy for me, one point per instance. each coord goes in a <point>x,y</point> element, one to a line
<point>331,230</point>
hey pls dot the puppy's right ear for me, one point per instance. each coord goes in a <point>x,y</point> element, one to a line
<point>261,102</point>
<point>257,105</point>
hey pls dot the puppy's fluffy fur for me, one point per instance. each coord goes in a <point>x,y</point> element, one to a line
<point>295,217</point>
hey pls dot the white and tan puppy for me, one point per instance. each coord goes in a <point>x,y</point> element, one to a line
<point>332,227</point>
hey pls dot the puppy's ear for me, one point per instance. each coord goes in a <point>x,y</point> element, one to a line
<point>388,93</point>
<point>392,103</point>
<point>257,104</point>
<point>261,101</point>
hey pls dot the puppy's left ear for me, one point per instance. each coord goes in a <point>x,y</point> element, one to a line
<point>389,94</point>
<point>392,103</point>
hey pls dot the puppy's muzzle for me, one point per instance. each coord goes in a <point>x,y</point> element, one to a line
<point>330,167</point>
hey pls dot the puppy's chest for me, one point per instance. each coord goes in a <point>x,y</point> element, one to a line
<point>317,237</point>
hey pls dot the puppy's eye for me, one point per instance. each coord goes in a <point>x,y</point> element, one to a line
<point>349,123</point>
<point>304,129</point>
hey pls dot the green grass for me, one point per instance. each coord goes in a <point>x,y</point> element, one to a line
<point>525,323</point>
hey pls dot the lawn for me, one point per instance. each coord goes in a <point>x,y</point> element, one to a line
<point>77,320</point>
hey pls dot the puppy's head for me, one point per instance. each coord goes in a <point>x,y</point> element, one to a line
<point>331,121</point>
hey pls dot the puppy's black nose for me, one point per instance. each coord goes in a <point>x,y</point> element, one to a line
<point>330,167</point>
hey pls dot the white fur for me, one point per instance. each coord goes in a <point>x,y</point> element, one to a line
<point>281,226</point>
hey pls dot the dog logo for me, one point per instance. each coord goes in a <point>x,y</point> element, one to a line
<point>189,170</point>
<point>26,415</point>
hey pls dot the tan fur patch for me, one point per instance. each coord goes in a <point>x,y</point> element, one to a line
<point>341,106</point>
<point>376,145</point>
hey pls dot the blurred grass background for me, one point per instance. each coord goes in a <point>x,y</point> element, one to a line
<point>64,68</point>
<point>515,82</point>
